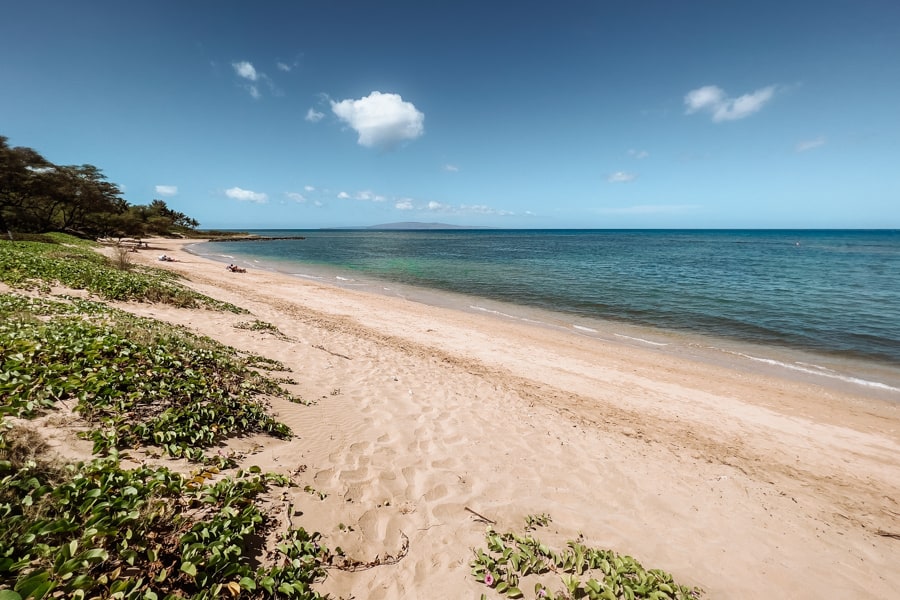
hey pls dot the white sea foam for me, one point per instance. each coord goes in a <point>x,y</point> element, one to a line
<point>642,340</point>
<point>813,369</point>
<point>505,315</point>
<point>308,276</point>
<point>339,278</point>
<point>587,329</point>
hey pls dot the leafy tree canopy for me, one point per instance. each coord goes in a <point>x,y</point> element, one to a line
<point>37,196</point>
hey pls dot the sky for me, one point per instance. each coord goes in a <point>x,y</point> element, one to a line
<point>526,114</point>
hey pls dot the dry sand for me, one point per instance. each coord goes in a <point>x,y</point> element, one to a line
<point>743,483</point>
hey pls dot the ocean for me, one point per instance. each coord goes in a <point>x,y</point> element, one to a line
<point>824,304</point>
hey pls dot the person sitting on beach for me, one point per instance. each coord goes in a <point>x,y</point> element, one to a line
<point>235,269</point>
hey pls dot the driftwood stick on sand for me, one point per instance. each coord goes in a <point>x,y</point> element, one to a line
<point>480,516</point>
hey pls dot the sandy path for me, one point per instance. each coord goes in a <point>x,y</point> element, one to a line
<point>744,484</point>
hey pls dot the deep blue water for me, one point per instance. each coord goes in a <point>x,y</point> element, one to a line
<point>831,292</point>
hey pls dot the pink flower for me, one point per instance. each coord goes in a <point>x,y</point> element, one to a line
<point>542,593</point>
<point>488,579</point>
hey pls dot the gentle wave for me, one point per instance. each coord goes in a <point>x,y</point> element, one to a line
<point>820,371</point>
<point>637,339</point>
<point>505,315</point>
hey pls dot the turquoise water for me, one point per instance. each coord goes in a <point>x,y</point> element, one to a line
<point>830,292</point>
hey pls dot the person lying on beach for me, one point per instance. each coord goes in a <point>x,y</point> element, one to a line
<point>166,258</point>
<point>236,269</point>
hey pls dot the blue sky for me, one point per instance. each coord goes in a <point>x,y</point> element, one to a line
<point>589,113</point>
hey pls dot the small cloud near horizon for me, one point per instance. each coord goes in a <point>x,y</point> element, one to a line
<point>381,120</point>
<point>806,145</point>
<point>621,177</point>
<point>365,195</point>
<point>712,99</point>
<point>466,209</point>
<point>638,154</point>
<point>167,190</point>
<point>243,195</point>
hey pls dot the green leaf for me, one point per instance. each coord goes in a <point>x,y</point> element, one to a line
<point>189,568</point>
<point>286,588</point>
<point>94,554</point>
<point>28,585</point>
<point>246,583</point>
<point>9,595</point>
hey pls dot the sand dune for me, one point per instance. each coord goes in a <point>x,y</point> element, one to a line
<point>745,484</point>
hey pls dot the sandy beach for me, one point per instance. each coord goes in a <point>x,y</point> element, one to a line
<point>740,482</point>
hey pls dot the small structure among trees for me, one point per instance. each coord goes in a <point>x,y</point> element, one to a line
<point>37,196</point>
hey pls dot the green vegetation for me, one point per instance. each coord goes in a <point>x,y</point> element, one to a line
<point>68,261</point>
<point>140,382</point>
<point>98,530</point>
<point>584,572</point>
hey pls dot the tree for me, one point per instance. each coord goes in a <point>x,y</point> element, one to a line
<point>19,168</point>
<point>37,196</point>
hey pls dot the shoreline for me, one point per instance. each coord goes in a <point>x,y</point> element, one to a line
<point>738,481</point>
<point>845,373</point>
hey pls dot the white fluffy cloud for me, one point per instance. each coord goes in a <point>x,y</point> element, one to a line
<point>712,99</point>
<point>621,177</point>
<point>246,70</point>
<point>465,209</point>
<point>381,120</point>
<point>237,193</point>
<point>366,195</point>
<point>313,116</point>
<point>167,190</point>
<point>296,197</point>
<point>404,204</point>
<point>806,145</point>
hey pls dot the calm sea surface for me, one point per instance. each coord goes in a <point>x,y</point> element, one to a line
<point>833,293</point>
